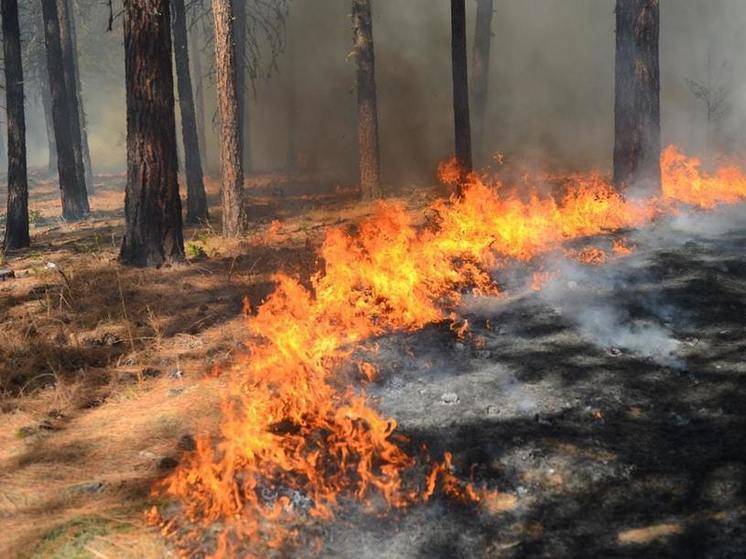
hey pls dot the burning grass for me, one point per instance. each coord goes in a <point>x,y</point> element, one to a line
<point>294,430</point>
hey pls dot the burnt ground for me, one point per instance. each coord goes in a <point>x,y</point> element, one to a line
<point>607,409</point>
<point>618,437</point>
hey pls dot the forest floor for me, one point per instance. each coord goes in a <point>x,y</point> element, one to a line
<point>608,408</point>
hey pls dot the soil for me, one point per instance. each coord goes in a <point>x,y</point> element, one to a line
<point>618,436</point>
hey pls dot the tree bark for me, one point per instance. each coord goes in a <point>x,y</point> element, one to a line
<point>481,71</point>
<point>637,142</point>
<point>69,71</point>
<point>244,117</point>
<point>87,166</point>
<point>230,136</point>
<point>196,197</point>
<point>199,94</point>
<point>46,101</point>
<point>152,206</point>
<point>16,222</point>
<point>462,124</point>
<point>367,101</point>
<point>72,188</point>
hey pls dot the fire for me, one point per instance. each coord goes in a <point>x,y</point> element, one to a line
<point>684,182</point>
<point>296,440</point>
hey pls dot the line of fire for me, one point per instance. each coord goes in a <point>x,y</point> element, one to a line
<point>376,279</point>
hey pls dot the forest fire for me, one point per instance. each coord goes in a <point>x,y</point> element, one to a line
<point>297,437</point>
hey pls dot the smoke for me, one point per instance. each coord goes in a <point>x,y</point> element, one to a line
<point>626,306</point>
<point>550,94</point>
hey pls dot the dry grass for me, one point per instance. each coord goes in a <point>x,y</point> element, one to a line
<point>103,368</point>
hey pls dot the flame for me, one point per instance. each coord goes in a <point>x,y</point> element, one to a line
<point>621,248</point>
<point>296,440</point>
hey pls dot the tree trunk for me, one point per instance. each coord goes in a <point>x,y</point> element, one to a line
<point>637,142</point>
<point>87,166</point>
<point>244,118</point>
<point>69,71</point>
<point>152,206</point>
<point>367,102</point>
<point>46,101</point>
<point>230,136</point>
<point>199,94</point>
<point>196,197</point>
<point>481,71</point>
<point>462,125</point>
<point>16,222</point>
<point>72,188</point>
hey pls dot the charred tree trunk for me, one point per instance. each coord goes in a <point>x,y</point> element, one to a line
<point>462,124</point>
<point>69,71</point>
<point>87,166</point>
<point>244,117</point>
<point>72,188</point>
<point>230,135</point>
<point>367,102</point>
<point>481,71</point>
<point>196,197</point>
<point>16,221</point>
<point>199,95</point>
<point>152,206</point>
<point>637,142</point>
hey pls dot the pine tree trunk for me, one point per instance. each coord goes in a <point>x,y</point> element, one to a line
<point>637,142</point>
<point>462,124</point>
<point>196,197</point>
<point>199,94</point>
<point>481,71</point>
<point>72,188</point>
<point>244,117</point>
<point>367,102</point>
<point>230,136</point>
<point>68,70</point>
<point>152,206</point>
<point>87,166</point>
<point>16,223</point>
<point>46,101</point>
<point>38,66</point>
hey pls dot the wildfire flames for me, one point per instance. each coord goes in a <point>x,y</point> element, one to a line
<point>295,438</point>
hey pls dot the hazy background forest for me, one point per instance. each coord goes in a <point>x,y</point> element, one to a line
<point>284,353</point>
<point>550,95</point>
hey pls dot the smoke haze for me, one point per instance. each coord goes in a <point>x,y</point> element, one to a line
<point>550,96</point>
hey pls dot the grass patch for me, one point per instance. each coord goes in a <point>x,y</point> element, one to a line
<point>69,540</point>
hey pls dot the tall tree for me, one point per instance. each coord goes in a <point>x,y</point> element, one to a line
<point>16,222</point>
<point>69,73</point>
<point>462,124</point>
<point>199,92</point>
<point>637,142</point>
<point>152,207</point>
<point>196,197</point>
<point>72,188</point>
<point>46,102</point>
<point>367,102</point>
<point>78,85</point>
<point>244,117</point>
<point>481,70</point>
<point>230,136</point>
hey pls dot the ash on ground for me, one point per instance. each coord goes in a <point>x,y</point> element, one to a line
<point>611,405</point>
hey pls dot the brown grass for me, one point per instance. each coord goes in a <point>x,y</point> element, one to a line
<point>103,368</point>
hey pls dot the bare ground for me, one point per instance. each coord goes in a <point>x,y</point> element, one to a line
<point>599,451</point>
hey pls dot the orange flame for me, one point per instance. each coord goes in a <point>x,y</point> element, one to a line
<point>293,441</point>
